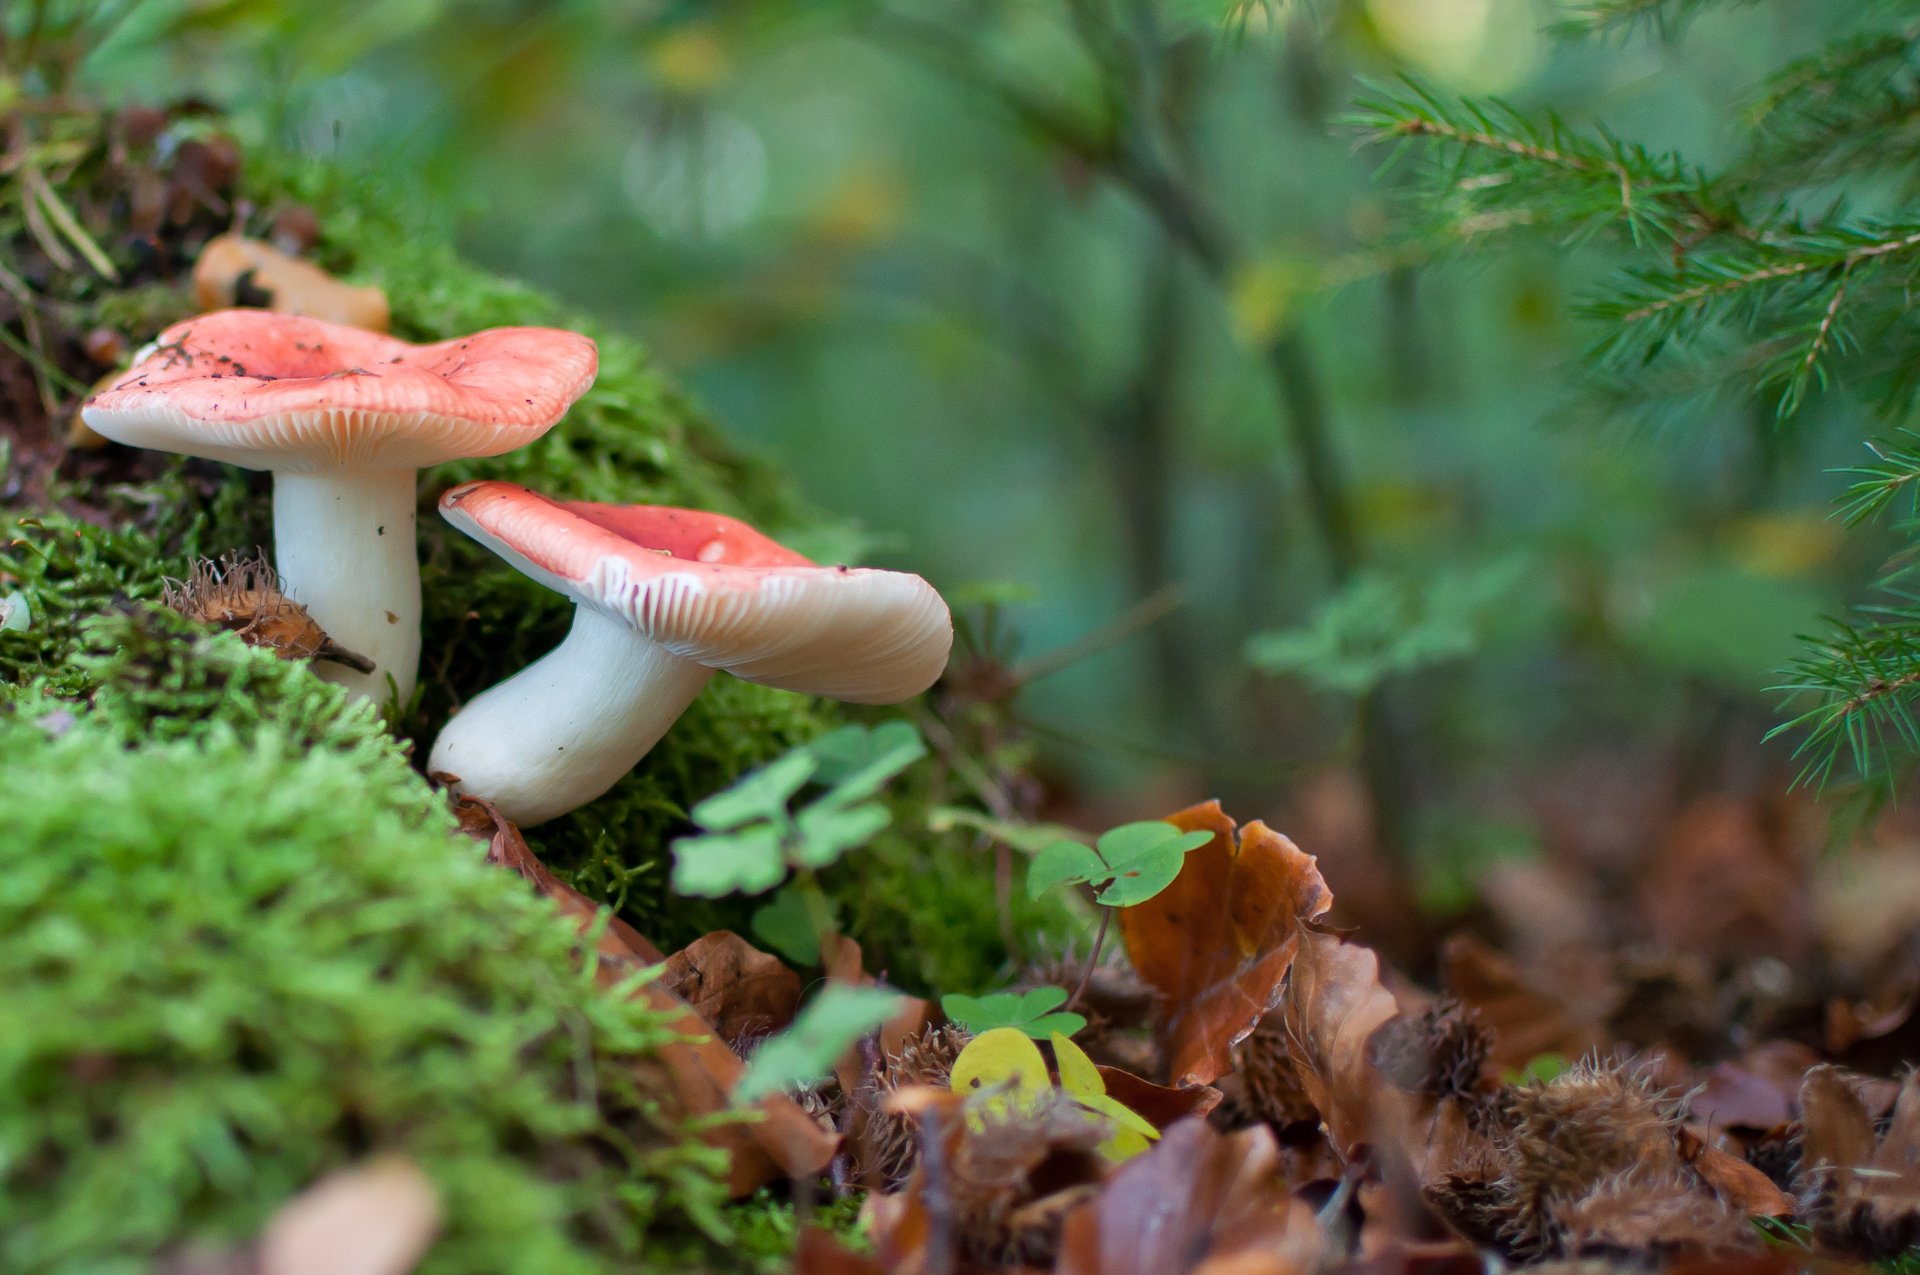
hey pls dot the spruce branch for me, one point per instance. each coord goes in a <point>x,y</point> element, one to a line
<point>1796,300</point>
<point>1893,473</point>
<point>1493,166</point>
<point>1597,17</point>
<point>1853,107</point>
<point>1864,680</point>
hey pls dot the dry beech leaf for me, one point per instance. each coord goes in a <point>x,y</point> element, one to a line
<point>1334,1003</point>
<point>1197,1201</point>
<point>377,1219</point>
<point>1217,942</point>
<point>237,271</point>
<point>1524,1022</point>
<point>1734,1180</point>
<point>846,963</point>
<point>745,993</point>
<point>1866,1192</point>
<point>1160,1104</point>
<point>786,1141</point>
<point>1759,1091</point>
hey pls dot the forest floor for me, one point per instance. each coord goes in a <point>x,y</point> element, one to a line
<point>1681,1043</point>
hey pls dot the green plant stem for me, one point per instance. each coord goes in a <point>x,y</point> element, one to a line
<point>1093,959</point>
<point>819,912</point>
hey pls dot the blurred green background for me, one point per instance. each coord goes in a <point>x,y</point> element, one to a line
<point>931,258</point>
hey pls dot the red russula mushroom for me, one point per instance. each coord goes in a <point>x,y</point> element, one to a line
<point>344,418</point>
<point>664,597</point>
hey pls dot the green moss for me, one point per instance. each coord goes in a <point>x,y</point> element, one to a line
<point>251,951</point>
<point>236,963</point>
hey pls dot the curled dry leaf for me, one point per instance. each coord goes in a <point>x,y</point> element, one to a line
<point>1864,1193</point>
<point>1161,1105</point>
<point>236,271</point>
<point>1742,1186</point>
<point>1334,1004</point>
<point>745,993</point>
<point>1758,1092</point>
<point>786,1141</point>
<point>846,963</point>
<point>1197,1201</point>
<point>1217,942</point>
<point>377,1219</point>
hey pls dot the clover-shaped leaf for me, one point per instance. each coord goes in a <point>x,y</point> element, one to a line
<point>1032,1011</point>
<point>1064,863</point>
<point>805,1052</point>
<point>1144,858</point>
<point>829,831</point>
<point>723,862</point>
<point>1002,1074</point>
<point>787,925</point>
<point>1128,865</point>
<point>763,794</point>
<point>854,761</point>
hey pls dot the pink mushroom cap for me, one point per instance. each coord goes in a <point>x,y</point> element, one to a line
<point>711,589</point>
<point>300,395</point>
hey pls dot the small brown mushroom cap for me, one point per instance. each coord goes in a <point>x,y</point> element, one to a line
<point>302,395</point>
<point>713,590</point>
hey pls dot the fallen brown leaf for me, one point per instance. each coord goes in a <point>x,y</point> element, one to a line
<point>1734,1180</point>
<point>1865,1192</point>
<point>376,1219</point>
<point>1217,942</point>
<point>1333,1005</point>
<point>1160,1104</point>
<point>1757,1092</point>
<point>1196,1201</point>
<point>745,993</point>
<point>785,1141</point>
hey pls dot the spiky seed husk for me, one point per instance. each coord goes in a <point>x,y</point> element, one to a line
<point>243,595</point>
<point>1441,1052</point>
<point>1011,1182</point>
<point>1649,1214</point>
<point>886,1145</point>
<point>1264,1087</point>
<point>1595,1123</point>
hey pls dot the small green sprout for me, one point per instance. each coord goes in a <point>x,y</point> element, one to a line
<point>751,837</point>
<point>805,1053</point>
<point>1036,1012</point>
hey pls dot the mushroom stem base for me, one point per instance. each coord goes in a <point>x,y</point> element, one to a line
<point>344,543</point>
<point>563,730</point>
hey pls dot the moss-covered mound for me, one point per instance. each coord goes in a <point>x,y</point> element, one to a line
<point>238,960</point>
<point>242,946</point>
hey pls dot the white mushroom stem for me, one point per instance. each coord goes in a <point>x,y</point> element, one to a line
<point>344,544</point>
<point>563,730</point>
